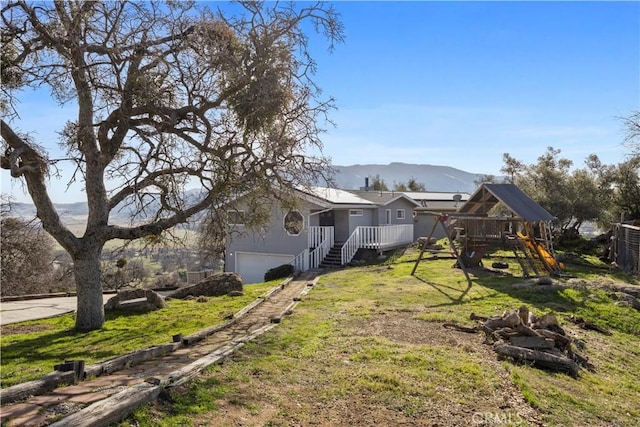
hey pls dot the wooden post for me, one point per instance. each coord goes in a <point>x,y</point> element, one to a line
<point>440,220</point>
<point>426,242</point>
<point>458,257</point>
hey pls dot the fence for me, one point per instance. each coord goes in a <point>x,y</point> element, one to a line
<point>626,247</point>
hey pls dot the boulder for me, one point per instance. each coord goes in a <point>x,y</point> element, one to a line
<point>213,286</point>
<point>135,300</point>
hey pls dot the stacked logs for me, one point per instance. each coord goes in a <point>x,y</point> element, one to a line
<point>540,341</point>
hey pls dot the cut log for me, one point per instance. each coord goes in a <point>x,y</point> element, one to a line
<point>504,334</point>
<point>526,331</point>
<point>532,342</point>
<point>546,320</point>
<point>538,358</point>
<point>586,324</point>
<point>561,341</point>
<point>508,320</point>
<point>474,316</point>
<point>461,328</point>
<point>523,313</point>
<point>582,361</point>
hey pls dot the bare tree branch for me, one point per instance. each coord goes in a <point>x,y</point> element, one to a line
<point>169,96</point>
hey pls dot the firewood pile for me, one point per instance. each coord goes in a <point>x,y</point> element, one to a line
<point>540,341</point>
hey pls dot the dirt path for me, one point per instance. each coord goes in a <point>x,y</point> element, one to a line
<point>109,398</point>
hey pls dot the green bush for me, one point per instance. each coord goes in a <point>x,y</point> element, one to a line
<point>284,270</point>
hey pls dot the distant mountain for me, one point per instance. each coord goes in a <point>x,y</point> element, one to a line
<point>435,178</point>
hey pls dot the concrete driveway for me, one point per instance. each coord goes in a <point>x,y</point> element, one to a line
<point>19,311</point>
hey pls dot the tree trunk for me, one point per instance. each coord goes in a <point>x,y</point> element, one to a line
<point>86,270</point>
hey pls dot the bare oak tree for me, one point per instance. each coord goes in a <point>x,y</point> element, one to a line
<point>168,95</point>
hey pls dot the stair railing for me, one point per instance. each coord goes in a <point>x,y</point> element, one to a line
<point>350,247</point>
<point>322,239</point>
<point>301,261</point>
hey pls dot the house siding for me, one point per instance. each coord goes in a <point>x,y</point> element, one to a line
<point>423,224</point>
<point>404,204</point>
<point>273,238</point>
<point>357,221</point>
<point>341,225</point>
<point>264,247</point>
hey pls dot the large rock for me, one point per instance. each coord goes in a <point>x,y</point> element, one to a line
<point>136,300</point>
<point>213,286</point>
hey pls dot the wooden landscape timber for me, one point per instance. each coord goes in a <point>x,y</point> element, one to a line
<point>116,407</point>
<point>54,379</point>
<point>521,336</point>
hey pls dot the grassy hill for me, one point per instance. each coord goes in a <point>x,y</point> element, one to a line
<point>367,346</point>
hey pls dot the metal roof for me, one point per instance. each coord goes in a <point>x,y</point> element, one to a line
<point>336,196</point>
<point>519,203</point>
<point>383,197</point>
<point>440,196</point>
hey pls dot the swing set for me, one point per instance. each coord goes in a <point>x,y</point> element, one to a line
<point>471,232</point>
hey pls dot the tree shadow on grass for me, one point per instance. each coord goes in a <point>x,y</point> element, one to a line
<point>542,297</point>
<point>455,295</point>
<point>48,347</point>
<point>487,284</point>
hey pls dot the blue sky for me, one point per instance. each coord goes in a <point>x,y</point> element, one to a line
<point>460,83</point>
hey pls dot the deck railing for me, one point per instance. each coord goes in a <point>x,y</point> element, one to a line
<point>301,261</point>
<point>322,240</point>
<point>378,238</point>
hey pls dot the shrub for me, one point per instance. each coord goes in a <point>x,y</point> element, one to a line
<point>284,270</point>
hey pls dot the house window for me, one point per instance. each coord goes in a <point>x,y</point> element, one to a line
<point>400,214</point>
<point>356,212</point>
<point>293,222</point>
<point>235,217</point>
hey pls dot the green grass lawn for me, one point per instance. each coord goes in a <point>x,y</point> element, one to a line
<point>31,349</point>
<point>336,352</point>
<point>369,342</point>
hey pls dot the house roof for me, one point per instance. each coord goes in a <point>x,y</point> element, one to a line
<point>383,197</point>
<point>336,196</point>
<point>448,206</point>
<point>436,196</point>
<point>519,203</point>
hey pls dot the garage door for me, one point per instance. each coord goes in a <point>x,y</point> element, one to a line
<point>252,266</point>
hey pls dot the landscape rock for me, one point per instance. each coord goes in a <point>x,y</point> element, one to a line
<point>538,285</point>
<point>606,285</point>
<point>626,299</point>
<point>126,300</point>
<point>213,286</point>
<point>235,293</point>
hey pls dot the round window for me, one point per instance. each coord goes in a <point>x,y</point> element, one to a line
<point>293,223</point>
